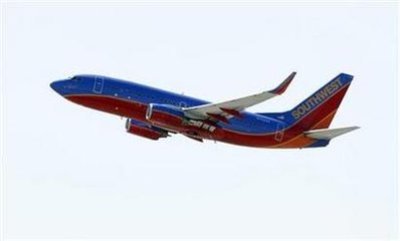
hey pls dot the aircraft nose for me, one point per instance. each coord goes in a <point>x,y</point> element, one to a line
<point>57,86</point>
<point>53,85</point>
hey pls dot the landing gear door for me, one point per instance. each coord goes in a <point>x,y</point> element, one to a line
<point>280,131</point>
<point>98,85</point>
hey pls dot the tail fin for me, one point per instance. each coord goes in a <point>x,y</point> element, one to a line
<point>319,109</point>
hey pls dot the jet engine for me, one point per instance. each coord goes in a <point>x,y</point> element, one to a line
<point>144,130</point>
<point>166,116</point>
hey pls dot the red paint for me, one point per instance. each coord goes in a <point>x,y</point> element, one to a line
<point>144,132</point>
<point>282,87</point>
<point>111,105</point>
<point>292,137</point>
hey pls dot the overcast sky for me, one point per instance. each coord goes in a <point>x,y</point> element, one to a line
<point>72,172</point>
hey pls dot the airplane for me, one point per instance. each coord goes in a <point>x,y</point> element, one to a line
<point>155,113</point>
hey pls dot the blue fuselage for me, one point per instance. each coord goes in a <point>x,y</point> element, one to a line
<point>84,86</point>
<point>154,113</point>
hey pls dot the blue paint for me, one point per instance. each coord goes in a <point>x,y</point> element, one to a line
<point>129,91</point>
<point>268,126</point>
<point>319,143</point>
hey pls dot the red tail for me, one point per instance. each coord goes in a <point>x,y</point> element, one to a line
<point>318,110</point>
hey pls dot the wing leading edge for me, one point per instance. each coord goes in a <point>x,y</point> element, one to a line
<point>223,110</point>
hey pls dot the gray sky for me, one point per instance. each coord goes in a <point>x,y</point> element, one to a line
<point>73,172</point>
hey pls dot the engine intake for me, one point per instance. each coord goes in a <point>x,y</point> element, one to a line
<point>144,130</point>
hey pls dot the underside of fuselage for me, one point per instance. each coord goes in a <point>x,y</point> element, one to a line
<point>136,110</point>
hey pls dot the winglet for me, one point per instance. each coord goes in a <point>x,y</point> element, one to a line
<point>283,86</point>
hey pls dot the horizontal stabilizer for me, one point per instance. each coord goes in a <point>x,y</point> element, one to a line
<point>328,134</point>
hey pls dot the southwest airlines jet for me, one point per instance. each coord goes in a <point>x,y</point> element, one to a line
<point>154,113</point>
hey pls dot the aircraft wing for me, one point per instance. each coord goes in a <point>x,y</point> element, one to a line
<point>223,110</point>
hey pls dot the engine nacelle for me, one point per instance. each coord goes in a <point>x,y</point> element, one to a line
<point>142,129</point>
<point>166,116</point>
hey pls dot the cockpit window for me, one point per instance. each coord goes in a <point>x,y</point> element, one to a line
<point>74,78</point>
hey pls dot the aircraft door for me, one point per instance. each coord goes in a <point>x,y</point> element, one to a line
<point>280,131</point>
<point>98,85</point>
